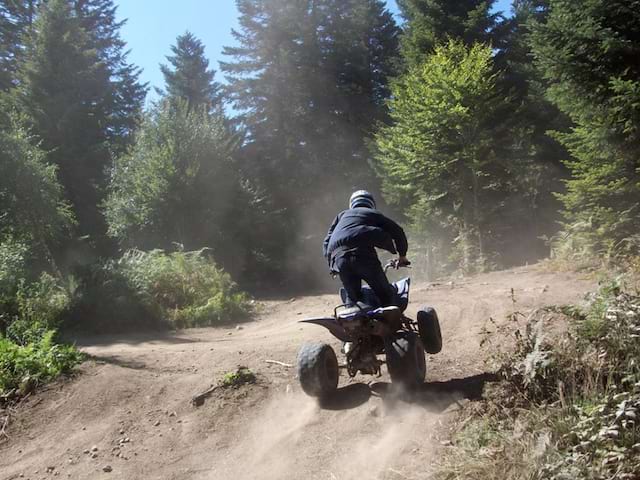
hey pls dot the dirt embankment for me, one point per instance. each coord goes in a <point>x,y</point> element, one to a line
<point>127,414</point>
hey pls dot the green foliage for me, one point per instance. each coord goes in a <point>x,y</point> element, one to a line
<point>125,97</point>
<point>569,408</point>
<point>15,17</point>
<point>13,269</point>
<point>40,306</point>
<point>187,287</point>
<point>23,367</point>
<point>240,377</point>
<point>434,22</point>
<point>105,303</point>
<point>308,93</point>
<point>309,80</point>
<point>77,101</point>
<point>587,51</point>
<point>438,160</point>
<point>534,208</point>
<point>180,184</point>
<point>190,79</point>
<point>157,289</point>
<point>34,221</point>
<point>34,210</point>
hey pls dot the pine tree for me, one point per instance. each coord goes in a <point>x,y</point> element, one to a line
<point>16,17</point>
<point>80,100</point>
<point>126,93</point>
<point>588,51</point>
<point>309,78</point>
<point>190,78</point>
<point>356,43</point>
<point>533,211</point>
<point>432,22</point>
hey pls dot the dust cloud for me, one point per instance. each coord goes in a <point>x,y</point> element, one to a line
<point>267,447</point>
<point>292,437</point>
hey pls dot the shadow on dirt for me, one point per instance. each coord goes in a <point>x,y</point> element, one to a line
<point>157,337</point>
<point>436,396</point>
<point>433,396</point>
<point>117,361</point>
<point>345,398</point>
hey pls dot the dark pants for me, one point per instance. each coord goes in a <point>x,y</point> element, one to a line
<point>353,270</point>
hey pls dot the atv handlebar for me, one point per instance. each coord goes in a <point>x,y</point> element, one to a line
<point>395,264</point>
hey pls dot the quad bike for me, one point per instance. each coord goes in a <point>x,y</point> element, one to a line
<point>368,331</point>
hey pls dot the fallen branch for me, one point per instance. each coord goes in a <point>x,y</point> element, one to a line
<point>198,400</point>
<point>276,362</point>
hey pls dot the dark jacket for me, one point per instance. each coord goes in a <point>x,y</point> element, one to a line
<point>359,231</point>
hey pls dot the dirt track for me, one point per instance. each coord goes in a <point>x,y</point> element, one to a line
<point>131,401</point>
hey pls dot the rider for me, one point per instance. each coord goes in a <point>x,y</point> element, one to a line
<point>350,248</point>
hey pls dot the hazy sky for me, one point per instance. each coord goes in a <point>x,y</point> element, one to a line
<point>153,26</point>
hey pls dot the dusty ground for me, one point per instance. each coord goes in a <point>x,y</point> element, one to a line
<point>131,401</point>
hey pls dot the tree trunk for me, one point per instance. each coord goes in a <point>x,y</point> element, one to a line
<point>476,215</point>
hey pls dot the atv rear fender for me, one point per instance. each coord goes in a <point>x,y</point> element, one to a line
<point>332,325</point>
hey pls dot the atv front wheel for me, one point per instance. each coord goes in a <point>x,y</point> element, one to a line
<point>405,359</point>
<point>318,369</point>
<point>429,329</point>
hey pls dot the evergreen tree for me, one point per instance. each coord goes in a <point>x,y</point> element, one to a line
<point>432,22</point>
<point>180,184</point>
<point>190,78</point>
<point>81,100</point>
<point>16,17</point>
<point>308,71</point>
<point>309,78</point>
<point>264,81</point>
<point>537,156</point>
<point>438,160</point>
<point>353,54</point>
<point>63,89</point>
<point>588,51</point>
<point>126,94</point>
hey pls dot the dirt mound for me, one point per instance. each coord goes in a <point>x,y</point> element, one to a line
<point>127,414</point>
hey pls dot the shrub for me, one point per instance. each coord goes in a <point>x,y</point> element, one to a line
<point>12,270</point>
<point>23,367</point>
<point>186,288</point>
<point>145,289</point>
<point>23,301</point>
<point>106,302</point>
<point>38,307</point>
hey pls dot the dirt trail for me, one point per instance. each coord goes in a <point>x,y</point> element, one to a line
<point>131,401</point>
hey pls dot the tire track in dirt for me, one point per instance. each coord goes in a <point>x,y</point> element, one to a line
<point>138,388</point>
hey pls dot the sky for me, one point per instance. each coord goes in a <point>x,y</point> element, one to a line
<point>153,25</point>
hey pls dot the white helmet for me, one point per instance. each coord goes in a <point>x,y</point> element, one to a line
<point>362,198</point>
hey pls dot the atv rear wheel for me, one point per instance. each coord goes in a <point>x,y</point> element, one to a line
<point>429,329</point>
<point>318,369</point>
<point>405,359</point>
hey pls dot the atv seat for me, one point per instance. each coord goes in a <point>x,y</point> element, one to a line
<point>390,314</point>
<point>355,310</point>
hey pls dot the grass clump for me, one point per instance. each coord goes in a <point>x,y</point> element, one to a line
<point>240,377</point>
<point>568,408</point>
